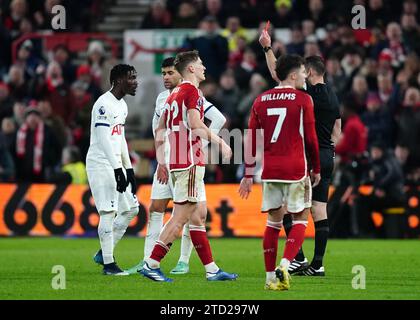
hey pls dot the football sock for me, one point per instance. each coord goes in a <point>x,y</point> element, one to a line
<point>154,227</point>
<point>106,219</point>
<point>186,245</point>
<point>321,237</point>
<point>288,223</point>
<point>121,223</point>
<point>295,239</point>
<point>158,253</point>
<point>211,268</point>
<point>270,276</point>
<point>270,244</point>
<point>202,246</point>
<point>285,263</point>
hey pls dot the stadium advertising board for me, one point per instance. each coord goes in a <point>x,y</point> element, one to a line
<point>44,209</point>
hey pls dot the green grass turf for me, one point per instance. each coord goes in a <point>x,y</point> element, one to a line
<point>392,271</point>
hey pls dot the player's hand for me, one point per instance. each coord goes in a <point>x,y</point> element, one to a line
<point>131,178</point>
<point>245,187</point>
<point>265,39</point>
<point>315,179</point>
<point>120,179</point>
<point>226,151</point>
<point>162,174</point>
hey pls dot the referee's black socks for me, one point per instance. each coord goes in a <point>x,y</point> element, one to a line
<point>321,237</point>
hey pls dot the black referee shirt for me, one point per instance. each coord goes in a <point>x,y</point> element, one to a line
<point>327,110</point>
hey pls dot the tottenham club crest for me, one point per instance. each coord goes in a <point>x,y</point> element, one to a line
<point>200,102</point>
<point>101,111</point>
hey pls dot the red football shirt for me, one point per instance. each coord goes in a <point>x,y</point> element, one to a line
<point>286,117</point>
<point>185,146</point>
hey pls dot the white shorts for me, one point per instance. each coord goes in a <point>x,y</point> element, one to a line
<point>104,192</point>
<point>297,195</point>
<point>162,191</point>
<point>189,185</point>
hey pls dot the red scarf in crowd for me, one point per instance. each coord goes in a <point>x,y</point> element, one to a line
<point>39,141</point>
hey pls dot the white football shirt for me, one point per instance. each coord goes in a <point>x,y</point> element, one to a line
<point>109,112</point>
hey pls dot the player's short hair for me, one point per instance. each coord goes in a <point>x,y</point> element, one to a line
<point>182,60</point>
<point>168,62</point>
<point>316,63</point>
<point>287,64</point>
<point>119,71</point>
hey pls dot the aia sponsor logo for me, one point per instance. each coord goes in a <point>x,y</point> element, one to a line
<point>117,130</point>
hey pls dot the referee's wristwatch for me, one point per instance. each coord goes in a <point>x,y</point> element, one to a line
<point>266,49</point>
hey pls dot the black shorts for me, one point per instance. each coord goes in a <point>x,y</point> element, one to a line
<point>320,192</point>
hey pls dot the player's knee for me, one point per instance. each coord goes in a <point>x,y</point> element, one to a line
<point>133,213</point>
<point>180,221</point>
<point>276,215</point>
<point>196,220</point>
<point>301,216</point>
<point>156,207</point>
<point>319,211</point>
<point>178,225</point>
<point>106,219</point>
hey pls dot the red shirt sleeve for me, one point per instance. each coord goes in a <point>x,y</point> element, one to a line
<point>193,100</point>
<point>311,139</point>
<point>250,146</point>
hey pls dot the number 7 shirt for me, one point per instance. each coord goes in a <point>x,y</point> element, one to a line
<point>185,146</point>
<point>286,117</point>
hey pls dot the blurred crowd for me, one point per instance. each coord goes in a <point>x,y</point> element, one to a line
<point>375,73</point>
<point>45,98</point>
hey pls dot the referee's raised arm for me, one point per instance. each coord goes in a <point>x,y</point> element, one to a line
<point>265,41</point>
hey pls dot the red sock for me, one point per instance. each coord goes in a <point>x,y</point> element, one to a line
<point>159,251</point>
<point>270,243</point>
<point>201,244</point>
<point>294,241</point>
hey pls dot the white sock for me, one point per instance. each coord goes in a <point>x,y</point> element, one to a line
<point>284,263</point>
<point>186,245</point>
<point>270,276</point>
<point>211,268</point>
<point>154,227</point>
<point>152,263</point>
<point>106,237</point>
<point>121,223</point>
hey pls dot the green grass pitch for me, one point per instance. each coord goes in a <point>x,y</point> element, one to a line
<point>392,271</point>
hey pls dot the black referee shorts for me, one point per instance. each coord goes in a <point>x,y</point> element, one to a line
<point>320,192</point>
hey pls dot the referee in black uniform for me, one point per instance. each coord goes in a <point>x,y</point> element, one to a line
<point>328,129</point>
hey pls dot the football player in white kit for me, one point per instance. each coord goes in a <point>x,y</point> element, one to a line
<point>163,193</point>
<point>109,167</point>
